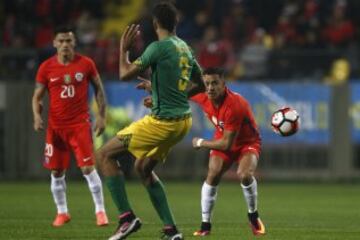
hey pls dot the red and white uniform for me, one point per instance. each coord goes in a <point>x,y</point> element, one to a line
<point>234,114</point>
<point>69,125</point>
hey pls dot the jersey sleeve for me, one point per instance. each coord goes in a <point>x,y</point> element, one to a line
<point>93,72</point>
<point>198,98</point>
<point>233,119</point>
<point>41,75</point>
<point>196,70</point>
<point>149,57</point>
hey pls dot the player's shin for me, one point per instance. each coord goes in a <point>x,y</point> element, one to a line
<point>158,198</point>
<point>58,189</point>
<point>95,187</point>
<point>250,195</point>
<point>208,198</point>
<point>116,186</point>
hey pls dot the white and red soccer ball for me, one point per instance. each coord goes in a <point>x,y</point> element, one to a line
<point>285,121</point>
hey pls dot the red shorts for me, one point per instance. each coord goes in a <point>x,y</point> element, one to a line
<point>60,141</point>
<point>236,155</point>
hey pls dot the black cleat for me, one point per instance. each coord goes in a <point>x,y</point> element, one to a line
<point>256,224</point>
<point>204,230</point>
<point>171,233</point>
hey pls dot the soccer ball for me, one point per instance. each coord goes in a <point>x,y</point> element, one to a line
<point>285,121</point>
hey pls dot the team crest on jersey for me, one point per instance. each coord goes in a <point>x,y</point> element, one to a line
<point>67,78</point>
<point>79,76</point>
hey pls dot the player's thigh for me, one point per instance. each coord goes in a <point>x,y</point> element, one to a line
<point>139,137</point>
<point>152,138</point>
<point>174,133</point>
<point>112,148</point>
<point>248,159</point>
<point>56,152</point>
<point>81,143</point>
<point>218,165</point>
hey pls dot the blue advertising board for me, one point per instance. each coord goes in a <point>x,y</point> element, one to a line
<point>355,111</point>
<point>310,100</point>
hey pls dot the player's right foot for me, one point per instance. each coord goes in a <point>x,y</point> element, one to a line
<point>256,224</point>
<point>128,224</point>
<point>101,219</point>
<point>61,219</point>
<point>204,230</point>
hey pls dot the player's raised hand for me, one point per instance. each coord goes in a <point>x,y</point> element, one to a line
<point>128,37</point>
<point>196,142</point>
<point>148,102</point>
<point>145,84</point>
<point>99,126</point>
<point>38,123</point>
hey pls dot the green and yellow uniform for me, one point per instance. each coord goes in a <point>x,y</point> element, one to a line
<point>172,64</point>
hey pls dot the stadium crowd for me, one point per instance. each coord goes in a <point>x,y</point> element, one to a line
<point>251,39</point>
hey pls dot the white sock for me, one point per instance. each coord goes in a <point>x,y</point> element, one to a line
<point>250,195</point>
<point>208,198</point>
<point>58,189</point>
<point>95,187</point>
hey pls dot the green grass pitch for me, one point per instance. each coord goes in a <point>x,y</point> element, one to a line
<point>289,211</point>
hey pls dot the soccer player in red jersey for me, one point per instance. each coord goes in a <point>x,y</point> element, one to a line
<point>66,77</point>
<point>236,139</point>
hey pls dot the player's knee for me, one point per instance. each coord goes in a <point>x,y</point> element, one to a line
<point>143,172</point>
<point>213,176</point>
<point>140,170</point>
<point>57,173</point>
<point>245,175</point>
<point>101,156</point>
<point>87,169</point>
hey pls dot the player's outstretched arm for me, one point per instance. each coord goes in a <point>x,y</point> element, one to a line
<point>196,82</point>
<point>222,144</point>
<point>145,84</point>
<point>128,70</point>
<point>37,104</point>
<point>101,103</point>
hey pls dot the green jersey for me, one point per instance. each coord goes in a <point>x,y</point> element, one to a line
<point>172,64</point>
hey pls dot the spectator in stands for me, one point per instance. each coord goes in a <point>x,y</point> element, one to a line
<point>214,51</point>
<point>339,30</point>
<point>254,56</point>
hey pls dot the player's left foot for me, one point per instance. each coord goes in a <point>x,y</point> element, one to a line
<point>204,230</point>
<point>101,219</point>
<point>171,233</point>
<point>256,224</point>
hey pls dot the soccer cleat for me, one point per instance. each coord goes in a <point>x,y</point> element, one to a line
<point>171,233</point>
<point>127,225</point>
<point>204,230</point>
<point>101,219</point>
<point>61,219</point>
<point>256,224</point>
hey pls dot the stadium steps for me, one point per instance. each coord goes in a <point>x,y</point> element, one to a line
<point>120,15</point>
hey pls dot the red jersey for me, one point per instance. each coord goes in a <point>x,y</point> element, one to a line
<point>67,86</point>
<point>234,114</point>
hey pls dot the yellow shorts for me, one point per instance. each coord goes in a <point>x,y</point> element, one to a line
<point>153,138</point>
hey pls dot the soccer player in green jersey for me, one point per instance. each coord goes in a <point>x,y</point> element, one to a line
<point>150,139</point>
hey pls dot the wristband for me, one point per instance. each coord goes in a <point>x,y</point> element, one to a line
<point>199,141</point>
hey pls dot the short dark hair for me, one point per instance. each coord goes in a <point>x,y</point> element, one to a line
<point>63,29</point>
<point>166,14</point>
<point>214,70</point>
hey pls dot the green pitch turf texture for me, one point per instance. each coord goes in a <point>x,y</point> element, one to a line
<point>289,211</point>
